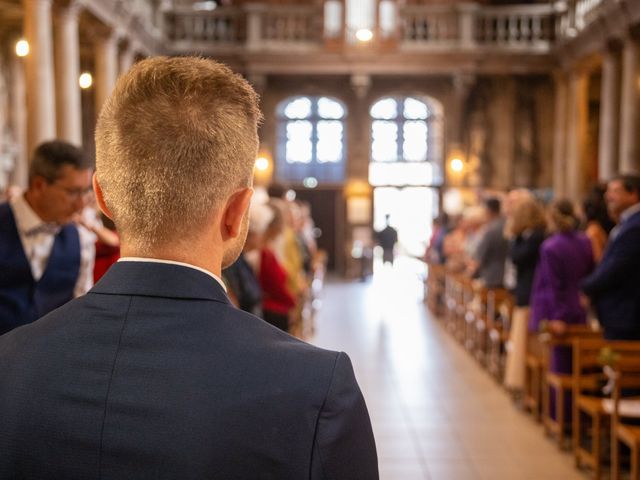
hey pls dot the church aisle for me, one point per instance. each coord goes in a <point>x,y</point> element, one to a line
<point>436,414</point>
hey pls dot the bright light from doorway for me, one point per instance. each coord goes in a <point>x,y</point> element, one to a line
<point>22,48</point>
<point>85,80</point>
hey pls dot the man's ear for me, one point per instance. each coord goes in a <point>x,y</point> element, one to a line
<point>234,212</point>
<point>100,198</point>
<point>37,183</point>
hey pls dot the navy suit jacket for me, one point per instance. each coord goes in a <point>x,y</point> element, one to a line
<point>614,286</point>
<point>155,375</point>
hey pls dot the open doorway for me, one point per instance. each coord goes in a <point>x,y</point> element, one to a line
<point>411,211</point>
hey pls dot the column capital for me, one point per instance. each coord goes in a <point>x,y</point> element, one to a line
<point>360,83</point>
<point>67,9</point>
<point>463,82</point>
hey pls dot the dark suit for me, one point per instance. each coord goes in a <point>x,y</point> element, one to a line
<point>155,375</point>
<point>615,284</point>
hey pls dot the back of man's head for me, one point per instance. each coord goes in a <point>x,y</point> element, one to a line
<point>50,157</point>
<point>176,138</point>
<point>493,206</point>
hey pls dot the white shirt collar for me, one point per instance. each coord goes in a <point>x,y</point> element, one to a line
<point>171,262</point>
<point>26,218</point>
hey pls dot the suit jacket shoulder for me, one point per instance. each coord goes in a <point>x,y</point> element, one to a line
<point>154,374</point>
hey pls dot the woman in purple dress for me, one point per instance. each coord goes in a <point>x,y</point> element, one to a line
<point>565,259</point>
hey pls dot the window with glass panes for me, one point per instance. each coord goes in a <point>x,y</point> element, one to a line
<point>311,139</point>
<point>406,139</point>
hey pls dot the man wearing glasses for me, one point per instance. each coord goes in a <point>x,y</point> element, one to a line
<point>45,260</point>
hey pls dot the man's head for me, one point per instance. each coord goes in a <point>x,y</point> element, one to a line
<point>493,207</point>
<point>622,192</point>
<point>175,148</point>
<point>59,181</point>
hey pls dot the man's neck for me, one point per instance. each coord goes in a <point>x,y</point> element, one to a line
<point>210,260</point>
<point>28,197</point>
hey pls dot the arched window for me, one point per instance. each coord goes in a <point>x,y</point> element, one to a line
<point>311,141</point>
<point>406,142</point>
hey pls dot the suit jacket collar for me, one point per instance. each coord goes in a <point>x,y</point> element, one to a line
<point>631,212</point>
<point>159,280</point>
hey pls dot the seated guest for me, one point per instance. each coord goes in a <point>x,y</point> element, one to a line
<point>45,259</point>
<point>278,300</point>
<point>154,374</point>
<point>613,286</point>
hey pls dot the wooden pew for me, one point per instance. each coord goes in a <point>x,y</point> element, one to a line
<point>476,319</point>
<point>500,305</point>
<point>465,300</point>
<point>453,299</point>
<point>588,378</point>
<point>560,383</point>
<point>435,284</point>
<point>533,378</point>
<point>626,376</point>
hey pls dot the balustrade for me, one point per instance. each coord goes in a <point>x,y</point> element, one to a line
<point>529,27</point>
<point>465,26</point>
<point>223,25</point>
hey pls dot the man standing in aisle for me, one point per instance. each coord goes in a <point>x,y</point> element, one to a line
<point>154,374</point>
<point>45,260</point>
<point>387,239</point>
<point>614,286</point>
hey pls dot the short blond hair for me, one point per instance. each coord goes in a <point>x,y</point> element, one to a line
<point>174,140</point>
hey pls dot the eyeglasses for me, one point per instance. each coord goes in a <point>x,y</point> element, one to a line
<point>74,193</point>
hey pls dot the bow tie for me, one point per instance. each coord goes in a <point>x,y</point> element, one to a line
<point>46,228</point>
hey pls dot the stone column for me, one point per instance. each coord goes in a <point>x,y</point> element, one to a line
<point>560,135</point>
<point>577,134</point>
<point>20,174</point>
<point>41,109</point>
<point>68,105</point>
<point>106,64</point>
<point>609,114</point>
<point>127,58</point>
<point>629,142</point>
<point>504,109</point>
<point>462,85</point>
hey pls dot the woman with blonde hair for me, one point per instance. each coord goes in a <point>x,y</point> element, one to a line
<point>526,230</point>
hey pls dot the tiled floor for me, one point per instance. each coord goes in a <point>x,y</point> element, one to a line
<point>436,414</point>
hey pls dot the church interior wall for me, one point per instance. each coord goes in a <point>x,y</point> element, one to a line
<point>519,119</point>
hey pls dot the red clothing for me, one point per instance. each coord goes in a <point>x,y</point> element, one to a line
<point>105,257</point>
<point>273,280</point>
